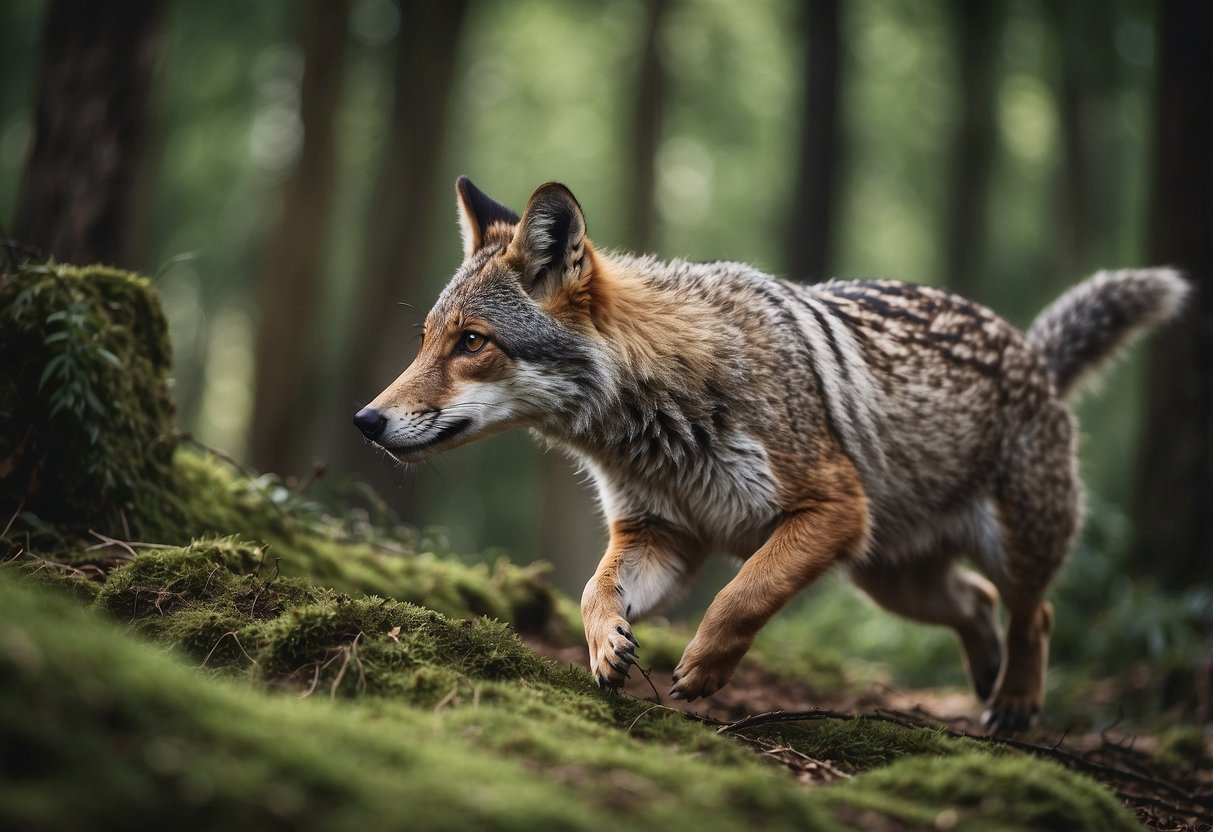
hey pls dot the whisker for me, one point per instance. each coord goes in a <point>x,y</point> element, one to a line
<point>430,464</point>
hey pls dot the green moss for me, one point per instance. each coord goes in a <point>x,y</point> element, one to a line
<point>861,744</point>
<point>1184,747</point>
<point>301,541</point>
<point>86,420</point>
<point>438,703</point>
<point>984,792</point>
<point>203,753</point>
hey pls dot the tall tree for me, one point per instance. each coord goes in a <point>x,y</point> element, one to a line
<point>289,292</point>
<point>972,145</point>
<point>79,193</point>
<point>810,232</point>
<point>1174,505</point>
<point>1084,31</point>
<point>404,203</point>
<point>651,82</point>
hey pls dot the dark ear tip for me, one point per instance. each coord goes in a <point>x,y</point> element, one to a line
<point>555,191</point>
<point>463,185</point>
<point>555,187</point>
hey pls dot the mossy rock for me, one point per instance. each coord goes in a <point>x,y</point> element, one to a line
<point>86,420</point>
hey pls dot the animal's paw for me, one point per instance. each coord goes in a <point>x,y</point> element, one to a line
<point>612,650</point>
<point>703,671</point>
<point>1009,714</point>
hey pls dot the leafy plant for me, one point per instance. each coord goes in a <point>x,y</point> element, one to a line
<point>75,340</point>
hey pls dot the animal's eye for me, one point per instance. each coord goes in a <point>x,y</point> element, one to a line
<point>472,342</point>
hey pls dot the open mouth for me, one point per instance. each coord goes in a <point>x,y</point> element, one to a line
<point>447,432</point>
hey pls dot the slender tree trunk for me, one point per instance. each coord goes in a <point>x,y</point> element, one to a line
<point>972,146</point>
<point>646,133</point>
<point>1073,197</point>
<point>1174,506</point>
<point>91,113</point>
<point>404,213</point>
<point>810,232</point>
<point>1086,59</point>
<point>289,293</point>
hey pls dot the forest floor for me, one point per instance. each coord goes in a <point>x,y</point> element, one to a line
<point>1165,791</point>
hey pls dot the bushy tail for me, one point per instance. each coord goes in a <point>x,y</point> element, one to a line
<point>1084,329</point>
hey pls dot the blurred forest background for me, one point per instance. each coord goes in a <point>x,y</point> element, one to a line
<point>286,169</point>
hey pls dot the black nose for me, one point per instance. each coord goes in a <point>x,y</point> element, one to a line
<point>370,421</point>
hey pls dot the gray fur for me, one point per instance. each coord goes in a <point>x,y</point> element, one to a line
<point>1080,332</point>
<point>715,407</point>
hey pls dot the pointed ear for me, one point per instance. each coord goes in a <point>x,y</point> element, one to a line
<point>478,211</point>
<point>550,242</point>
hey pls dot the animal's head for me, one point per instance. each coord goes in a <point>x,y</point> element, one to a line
<point>509,342</point>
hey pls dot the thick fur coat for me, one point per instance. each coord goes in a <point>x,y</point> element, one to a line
<point>888,429</point>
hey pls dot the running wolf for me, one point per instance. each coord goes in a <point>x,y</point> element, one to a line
<point>884,428</point>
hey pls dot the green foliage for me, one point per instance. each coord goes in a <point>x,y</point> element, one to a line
<point>71,368</point>
<point>86,421</point>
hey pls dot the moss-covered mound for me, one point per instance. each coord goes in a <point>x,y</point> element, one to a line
<point>300,540</point>
<point>86,420</point>
<point>395,716</point>
<point>216,600</point>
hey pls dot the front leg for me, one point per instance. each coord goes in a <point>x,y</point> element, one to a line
<point>806,543</point>
<point>643,564</point>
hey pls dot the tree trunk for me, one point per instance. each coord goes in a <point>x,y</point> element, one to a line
<point>91,113</point>
<point>289,293</point>
<point>1084,30</point>
<point>810,218</point>
<point>972,146</point>
<point>404,212</point>
<point>646,133</point>
<point>1174,506</point>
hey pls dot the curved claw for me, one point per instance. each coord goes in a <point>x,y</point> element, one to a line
<point>612,649</point>
<point>626,633</point>
<point>623,668</point>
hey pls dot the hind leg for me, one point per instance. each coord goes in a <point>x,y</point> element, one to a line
<point>941,591</point>
<point>1019,691</point>
<point>1039,506</point>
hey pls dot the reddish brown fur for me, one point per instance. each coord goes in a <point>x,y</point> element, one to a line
<point>889,427</point>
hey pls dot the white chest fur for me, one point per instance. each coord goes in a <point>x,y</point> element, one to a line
<point>724,497</point>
